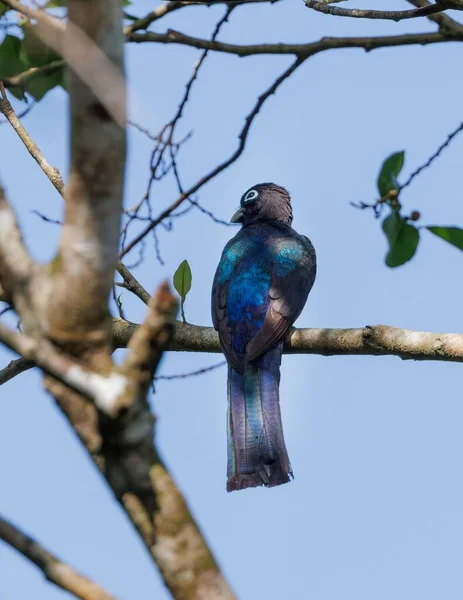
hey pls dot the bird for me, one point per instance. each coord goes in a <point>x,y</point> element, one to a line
<point>260,287</point>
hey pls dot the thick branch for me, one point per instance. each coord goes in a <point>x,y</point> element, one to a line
<point>52,567</point>
<point>70,298</point>
<point>104,391</point>
<point>375,340</point>
<point>90,235</point>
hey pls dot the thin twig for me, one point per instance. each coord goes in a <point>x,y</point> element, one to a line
<point>191,373</point>
<point>7,110</point>
<point>165,138</point>
<point>225,164</point>
<point>433,156</point>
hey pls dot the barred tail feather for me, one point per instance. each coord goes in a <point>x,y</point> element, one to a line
<point>256,448</point>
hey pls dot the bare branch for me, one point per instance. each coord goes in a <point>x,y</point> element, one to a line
<point>224,165</point>
<point>57,572</point>
<point>131,283</point>
<point>168,7</point>
<point>446,23</point>
<point>70,304</point>
<point>14,368</point>
<point>154,15</point>
<point>168,130</point>
<point>357,13</point>
<point>374,340</point>
<point>300,50</point>
<point>55,177</point>
<point>201,371</point>
<point>433,156</point>
<point>51,172</point>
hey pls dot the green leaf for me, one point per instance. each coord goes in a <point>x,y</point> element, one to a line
<point>55,3</point>
<point>452,235</point>
<point>4,9</point>
<point>403,240</point>
<point>182,283</point>
<point>17,92</point>
<point>38,85</point>
<point>11,62</point>
<point>34,51</point>
<point>390,170</point>
<point>130,17</point>
<point>182,279</point>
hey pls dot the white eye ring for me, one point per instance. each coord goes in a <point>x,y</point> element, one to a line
<point>251,195</point>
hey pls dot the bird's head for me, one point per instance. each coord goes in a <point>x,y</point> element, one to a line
<point>264,202</point>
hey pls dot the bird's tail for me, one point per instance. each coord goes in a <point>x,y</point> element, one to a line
<point>256,447</point>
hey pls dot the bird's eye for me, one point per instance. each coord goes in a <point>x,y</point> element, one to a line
<point>250,196</point>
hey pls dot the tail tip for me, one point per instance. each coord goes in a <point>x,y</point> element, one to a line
<point>242,481</point>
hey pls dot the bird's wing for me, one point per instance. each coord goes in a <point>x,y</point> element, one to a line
<point>231,256</point>
<point>293,277</point>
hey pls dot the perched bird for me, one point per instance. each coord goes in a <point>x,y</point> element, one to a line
<point>260,287</point>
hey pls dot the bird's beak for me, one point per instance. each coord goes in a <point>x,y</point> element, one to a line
<point>238,216</point>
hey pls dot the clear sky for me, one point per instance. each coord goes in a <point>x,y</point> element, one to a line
<point>376,443</point>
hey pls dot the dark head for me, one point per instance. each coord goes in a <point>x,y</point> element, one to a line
<point>264,202</point>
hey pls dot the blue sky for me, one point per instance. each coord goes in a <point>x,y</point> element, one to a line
<point>375,509</point>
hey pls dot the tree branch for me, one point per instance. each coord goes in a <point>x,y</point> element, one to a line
<point>391,15</point>
<point>173,5</point>
<point>300,50</point>
<point>76,326</point>
<point>106,392</point>
<point>373,340</point>
<point>225,164</point>
<point>53,174</point>
<point>131,283</point>
<point>14,368</point>
<point>57,572</point>
<point>446,24</point>
<point>7,110</point>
